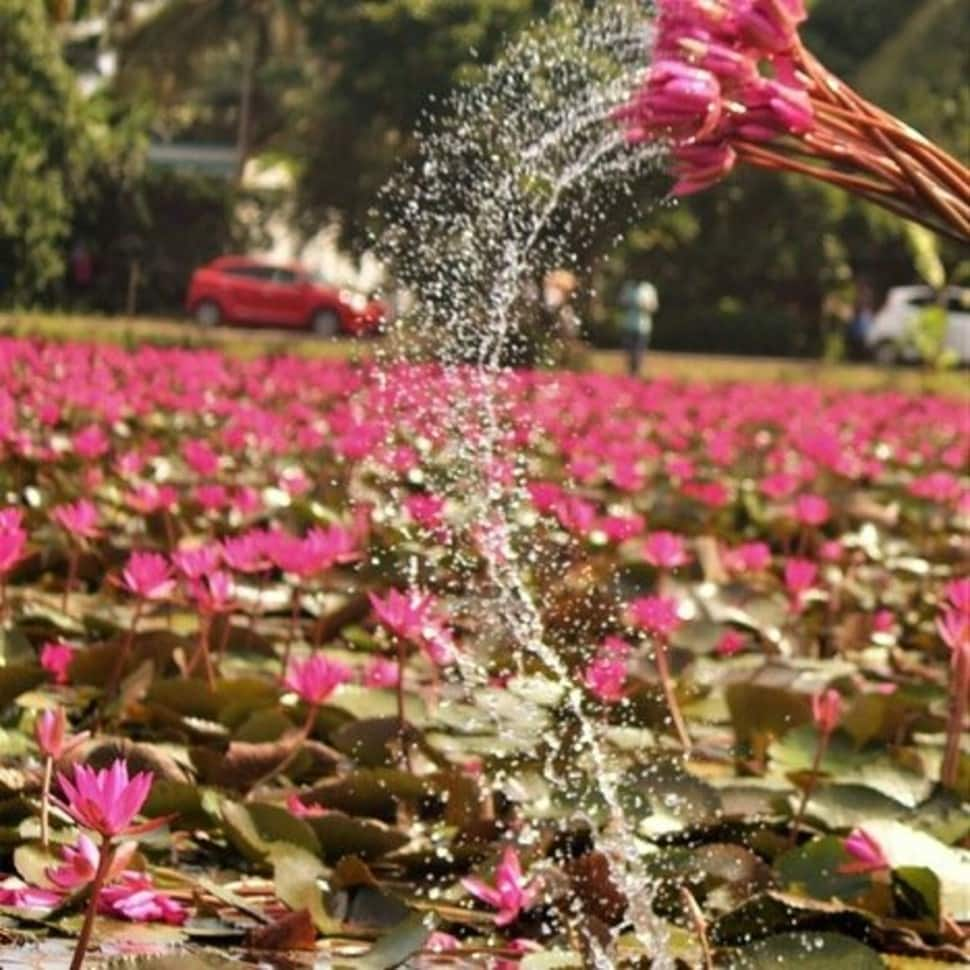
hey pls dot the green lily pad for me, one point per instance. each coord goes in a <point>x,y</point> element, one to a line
<point>299,876</point>
<point>871,767</point>
<point>339,835</point>
<point>253,828</point>
<point>916,890</point>
<point>813,869</point>
<point>371,702</point>
<point>17,679</point>
<point>840,807</point>
<point>397,946</point>
<point>807,951</point>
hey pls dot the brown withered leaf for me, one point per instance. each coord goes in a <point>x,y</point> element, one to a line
<point>244,763</point>
<point>294,931</point>
<point>589,876</point>
<point>102,751</point>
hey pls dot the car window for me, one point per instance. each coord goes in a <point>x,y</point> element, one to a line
<point>924,299</point>
<point>958,302</point>
<point>250,272</point>
<point>284,276</point>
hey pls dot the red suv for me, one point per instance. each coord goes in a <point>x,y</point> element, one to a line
<point>238,289</point>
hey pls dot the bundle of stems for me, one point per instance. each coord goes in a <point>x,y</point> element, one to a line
<point>856,145</point>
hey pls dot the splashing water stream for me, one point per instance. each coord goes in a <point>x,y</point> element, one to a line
<point>525,168</point>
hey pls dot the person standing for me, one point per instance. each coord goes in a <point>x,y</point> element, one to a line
<point>863,316</point>
<point>640,302</point>
<point>558,290</point>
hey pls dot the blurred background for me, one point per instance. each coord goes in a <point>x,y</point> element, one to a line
<point>140,139</point>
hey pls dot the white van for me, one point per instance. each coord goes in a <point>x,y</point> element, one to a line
<point>888,338</point>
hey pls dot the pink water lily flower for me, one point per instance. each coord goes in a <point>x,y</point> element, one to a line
<point>56,659</point>
<point>13,547</point>
<point>867,854</point>
<point>108,800</point>
<point>79,520</point>
<point>50,730</point>
<point>749,557</point>
<point>606,678</point>
<point>194,562</point>
<point>381,672</point>
<point>440,942</point>
<point>16,894</point>
<point>149,576</point>
<point>800,575</point>
<point>657,615</point>
<point>133,897</point>
<point>299,809</point>
<point>80,864</point>
<point>957,593</point>
<point>316,678</point>
<point>730,643</point>
<point>511,894</point>
<point>827,710</point>
<point>405,614</point>
<point>665,550</point>
<point>811,510</point>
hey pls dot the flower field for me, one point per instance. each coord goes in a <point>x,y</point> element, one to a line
<point>263,691</point>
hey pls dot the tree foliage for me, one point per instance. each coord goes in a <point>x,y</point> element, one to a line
<point>49,138</point>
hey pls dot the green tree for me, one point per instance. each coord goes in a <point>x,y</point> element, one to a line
<point>49,138</point>
<point>218,69</point>
<point>379,66</point>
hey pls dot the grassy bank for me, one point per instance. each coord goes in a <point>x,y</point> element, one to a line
<point>252,342</point>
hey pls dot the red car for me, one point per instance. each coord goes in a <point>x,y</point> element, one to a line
<point>237,289</point>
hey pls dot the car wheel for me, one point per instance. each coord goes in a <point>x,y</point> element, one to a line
<point>325,323</point>
<point>886,353</point>
<point>207,314</point>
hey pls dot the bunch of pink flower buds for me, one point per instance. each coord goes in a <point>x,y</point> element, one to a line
<point>706,90</point>
<point>731,81</point>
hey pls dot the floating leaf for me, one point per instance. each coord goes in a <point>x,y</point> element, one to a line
<point>295,931</point>
<point>807,951</point>
<point>397,946</point>
<point>846,806</point>
<point>813,868</point>
<point>917,893</point>
<point>550,960</point>
<point>31,861</point>
<point>17,679</point>
<point>179,961</point>
<point>371,742</point>
<point>178,798</point>
<point>764,709</point>
<point>297,876</point>
<point>339,835</point>
<point>253,828</point>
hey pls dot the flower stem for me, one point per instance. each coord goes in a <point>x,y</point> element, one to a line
<point>202,651</point>
<point>72,566</point>
<point>45,799</point>
<point>960,681</point>
<point>125,650</point>
<point>821,748</point>
<point>401,721</point>
<point>104,865</point>
<point>670,695</point>
<point>311,719</point>
<point>291,633</point>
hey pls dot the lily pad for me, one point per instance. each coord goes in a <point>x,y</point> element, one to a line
<point>807,951</point>
<point>397,946</point>
<point>253,829</point>
<point>339,835</point>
